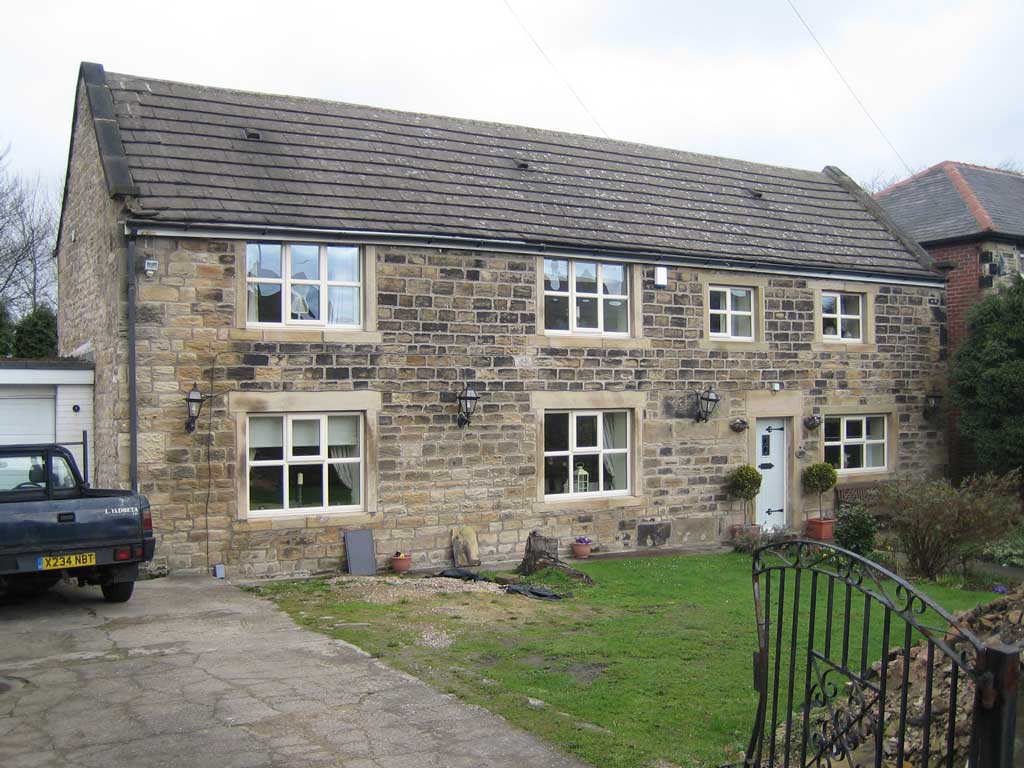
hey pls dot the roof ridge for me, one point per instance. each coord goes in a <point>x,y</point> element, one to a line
<point>986,168</point>
<point>909,179</point>
<point>475,121</point>
<point>967,194</point>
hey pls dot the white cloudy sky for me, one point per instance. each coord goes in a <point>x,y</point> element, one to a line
<point>740,78</point>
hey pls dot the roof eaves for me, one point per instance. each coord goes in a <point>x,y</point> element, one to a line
<point>697,259</point>
<point>876,210</point>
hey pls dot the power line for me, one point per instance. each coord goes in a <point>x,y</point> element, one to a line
<point>555,69</point>
<point>849,87</point>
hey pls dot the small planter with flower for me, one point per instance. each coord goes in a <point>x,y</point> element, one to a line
<point>401,562</point>
<point>581,548</point>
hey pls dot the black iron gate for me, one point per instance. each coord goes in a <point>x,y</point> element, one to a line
<point>855,667</point>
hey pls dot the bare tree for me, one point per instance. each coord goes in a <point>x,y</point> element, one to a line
<point>28,228</point>
<point>1011,164</point>
<point>878,181</point>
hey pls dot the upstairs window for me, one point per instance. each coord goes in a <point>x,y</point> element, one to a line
<point>855,443</point>
<point>586,297</point>
<point>731,313</point>
<point>842,316</point>
<point>304,284</point>
<point>586,453</point>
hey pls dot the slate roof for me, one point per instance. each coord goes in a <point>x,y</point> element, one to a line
<point>344,167</point>
<point>953,200</point>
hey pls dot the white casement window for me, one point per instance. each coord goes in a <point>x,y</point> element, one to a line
<point>586,453</point>
<point>305,463</point>
<point>855,443</point>
<point>586,297</point>
<point>731,313</point>
<point>842,316</point>
<point>304,284</point>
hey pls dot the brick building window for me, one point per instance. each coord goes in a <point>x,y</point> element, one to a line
<point>305,463</point>
<point>586,297</point>
<point>304,284</point>
<point>586,453</point>
<point>855,443</point>
<point>842,316</point>
<point>731,313</point>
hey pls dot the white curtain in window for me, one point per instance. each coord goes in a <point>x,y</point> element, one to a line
<point>612,438</point>
<point>343,443</point>
<point>252,311</point>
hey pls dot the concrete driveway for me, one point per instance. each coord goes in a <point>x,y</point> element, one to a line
<point>194,672</point>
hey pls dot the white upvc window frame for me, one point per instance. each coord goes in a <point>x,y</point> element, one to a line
<point>863,441</point>
<point>600,451</point>
<point>839,316</point>
<point>289,458</point>
<point>571,295</point>
<point>322,282</point>
<point>728,312</point>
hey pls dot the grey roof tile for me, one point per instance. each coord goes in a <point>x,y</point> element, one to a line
<point>956,200</point>
<point>342,166</point>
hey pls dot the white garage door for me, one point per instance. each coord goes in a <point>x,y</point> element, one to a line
<point>27,414</point>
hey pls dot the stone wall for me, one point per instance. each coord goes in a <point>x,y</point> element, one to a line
<point>448,316</point>
<point>92,297</point>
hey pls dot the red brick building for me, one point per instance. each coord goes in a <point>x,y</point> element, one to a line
<point>970,219</point>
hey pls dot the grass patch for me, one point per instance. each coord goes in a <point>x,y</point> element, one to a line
<point>652,663</point>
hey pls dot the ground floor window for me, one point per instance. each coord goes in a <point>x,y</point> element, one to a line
<point>855,442</point>
<point>586,453</point>
<point>305,463</point>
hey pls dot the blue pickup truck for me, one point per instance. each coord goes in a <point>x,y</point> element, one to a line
<point>53,526</point>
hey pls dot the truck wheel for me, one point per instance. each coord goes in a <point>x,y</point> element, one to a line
<point>31,585</point>
<point>119,592</point>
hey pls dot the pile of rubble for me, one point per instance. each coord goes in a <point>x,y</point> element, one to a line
<point>945,727</point>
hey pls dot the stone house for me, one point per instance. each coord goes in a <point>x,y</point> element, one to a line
<point>970,219</point>
<point>333,276</point>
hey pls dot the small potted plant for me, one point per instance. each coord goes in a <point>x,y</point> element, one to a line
<point>818,478</point>
<point>744,483</point>
<point>581,547</point>
<point>401,562</point>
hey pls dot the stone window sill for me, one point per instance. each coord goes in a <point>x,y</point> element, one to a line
<point>305,335</point>
<point>299,520</point>
<point>597,504</point>
<point>588,342</point>
<point>839,346</point>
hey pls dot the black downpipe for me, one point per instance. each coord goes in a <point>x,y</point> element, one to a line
<point>133,402</point>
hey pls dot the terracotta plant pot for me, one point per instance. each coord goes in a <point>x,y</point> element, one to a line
<point>821,529</point>
<point>401,564</point>
<point>581,551</point>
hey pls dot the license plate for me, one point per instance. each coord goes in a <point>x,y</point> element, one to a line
<point>55,562</point>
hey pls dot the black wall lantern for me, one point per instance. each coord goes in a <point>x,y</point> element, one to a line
<point>467,400</point>
<point>194,402</point>
<point>932,403</point>
<point>707,401</point>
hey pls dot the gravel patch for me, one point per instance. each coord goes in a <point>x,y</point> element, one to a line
<point>388,590</point>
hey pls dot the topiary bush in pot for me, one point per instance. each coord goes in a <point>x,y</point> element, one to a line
<point>744,483</point>
<point>819,478</point>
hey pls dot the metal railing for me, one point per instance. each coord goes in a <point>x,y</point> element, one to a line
<point>856,667</point>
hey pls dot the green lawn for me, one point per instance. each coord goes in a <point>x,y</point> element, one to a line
<point>651,664</point>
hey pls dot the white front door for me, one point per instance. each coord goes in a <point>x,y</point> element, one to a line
<point>770,460</point>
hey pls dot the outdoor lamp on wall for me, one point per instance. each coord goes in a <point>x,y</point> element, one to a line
<point>467,400</point>
<point>931,404</point>
<point>194,402</point>
<point>707,401</point>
